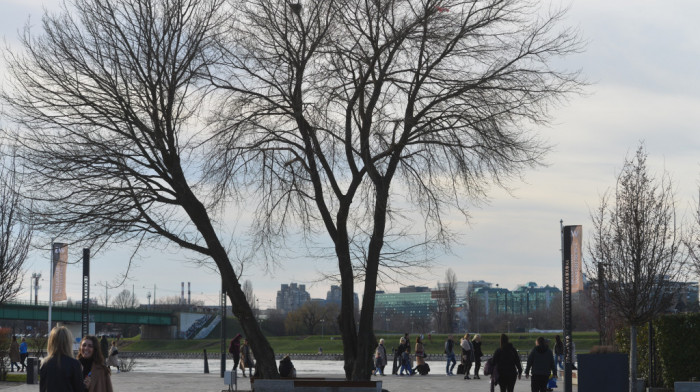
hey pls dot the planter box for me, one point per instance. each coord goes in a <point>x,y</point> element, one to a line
<point>607,372</point>
<point>315,385</point>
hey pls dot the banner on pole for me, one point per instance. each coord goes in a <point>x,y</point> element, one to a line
<point>576,258</point>
<point>60,263</point>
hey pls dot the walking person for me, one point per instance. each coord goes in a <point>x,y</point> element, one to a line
<point>14,354</point>
<point>23,353</point>
<point>406,362</point>
<point>380,358</point>
<point>476,344</point>
<point>541,361</point>
<point>467,355</point>
<point>450,355</point>
<point>559,352</point>
<point>104,347</point>
<point>506,360</point>
<point>246,358</point>
<point>113,359</point>
<point>398,356</point>
<point>59,370</point>
<point>235,350</point>
<point>96,376</point>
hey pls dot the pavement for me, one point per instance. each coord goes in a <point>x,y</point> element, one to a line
<point>164,382</point>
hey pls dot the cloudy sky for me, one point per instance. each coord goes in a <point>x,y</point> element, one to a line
<point>642,60</point>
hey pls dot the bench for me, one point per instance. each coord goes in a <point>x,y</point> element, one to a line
<point>315,385</point>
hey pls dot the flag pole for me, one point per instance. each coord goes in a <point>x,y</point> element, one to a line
<point>51,272</point>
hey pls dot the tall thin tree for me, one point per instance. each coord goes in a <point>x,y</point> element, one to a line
<point>637,237</point>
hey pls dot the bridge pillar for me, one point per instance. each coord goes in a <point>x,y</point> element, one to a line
<point>158,332</point>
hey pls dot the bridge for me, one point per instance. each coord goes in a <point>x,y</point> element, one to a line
<point>71,313</point>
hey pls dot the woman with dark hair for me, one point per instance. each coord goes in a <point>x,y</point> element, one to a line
<point>59,370</point>
<point>96,375</point>
<point>507,362</point>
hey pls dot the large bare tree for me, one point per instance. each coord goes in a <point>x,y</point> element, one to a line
<point>15,232</point>
<point>107,96</point>
<point>638,239</point>
<point>125,300</point>
<point>371,120</point>
<point>446,302</point>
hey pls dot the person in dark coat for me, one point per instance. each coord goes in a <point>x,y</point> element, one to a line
<point>104,346</point>
<point>476,343</point>
<point>235,350</point>
<point>506,360</point>
<point>450,355</point>
<point>398,356</point>
<point>559,352</point>
<point>541,361</point>
<point>286,368</point>
<point>14,354</point>
<point>60,372</point>
<point>467,355</point>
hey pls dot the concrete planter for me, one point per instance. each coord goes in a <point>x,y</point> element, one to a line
<point>686,386</point>
<point>608,372</point>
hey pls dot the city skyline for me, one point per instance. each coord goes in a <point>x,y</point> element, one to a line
<point>640,65</point>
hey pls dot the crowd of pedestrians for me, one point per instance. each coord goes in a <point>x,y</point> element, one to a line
<point>504,366</point>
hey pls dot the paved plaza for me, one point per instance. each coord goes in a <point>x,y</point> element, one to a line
<point>163,382</point>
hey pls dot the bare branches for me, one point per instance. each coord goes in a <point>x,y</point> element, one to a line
<point>638,240</point>
<point>15,232</point>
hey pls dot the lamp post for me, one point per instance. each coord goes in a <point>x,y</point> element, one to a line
<point>323,322</point>
<point>529,325</point>
<point>411,327</point>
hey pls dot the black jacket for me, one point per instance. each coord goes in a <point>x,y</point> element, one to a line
<point>66,378</point>
<point>477,350</point>
<point>507,361</point>
<point>286,367</point>
<point>541,361</point>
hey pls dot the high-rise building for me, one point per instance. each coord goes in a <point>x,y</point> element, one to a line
<point>291,297</point>
<point>335,296</point>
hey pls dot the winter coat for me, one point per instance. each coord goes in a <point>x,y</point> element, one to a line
<point>14,351</point>
<point>420,360</point>
<point>246,356</point>
<point>380,353</point>
<point>559,348</point>
<point>104,346</point>
<point>66,378</point>
<point>467,350</point>
<point>507,362</point>
<point>477,350</point>
<point>449,346</point>
<point>235,347</point>
<point>100,380</point>
<point>541,361</point>
<point>113,359</point>
<point>286,367</point>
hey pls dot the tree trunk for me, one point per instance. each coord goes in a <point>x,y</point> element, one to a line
<point>633,358</point>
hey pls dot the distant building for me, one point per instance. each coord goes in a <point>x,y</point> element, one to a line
<point>335,296</point>
<point>521,301</point>
<point>414,289</point>
<point>291,297</point>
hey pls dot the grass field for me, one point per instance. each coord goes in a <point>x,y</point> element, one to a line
<point>333,344</point>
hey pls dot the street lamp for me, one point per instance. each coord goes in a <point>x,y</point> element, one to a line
<point>323,322</point>
<point>529,325</point>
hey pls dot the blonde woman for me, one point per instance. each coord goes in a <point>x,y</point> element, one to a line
<point>59,370</point>
<point>476,343</point>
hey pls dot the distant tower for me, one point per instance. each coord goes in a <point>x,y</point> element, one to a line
<point>182,292</point>
<point>189,294</point>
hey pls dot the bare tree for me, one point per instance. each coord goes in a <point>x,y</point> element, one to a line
<point>692,242</point>
<point>15,234</point>
<point>250,297</point>
<point>371,120</point>
<point>107,98</point>
<point>636,236</point>
<point>125,300</point>
<point>446,302</point>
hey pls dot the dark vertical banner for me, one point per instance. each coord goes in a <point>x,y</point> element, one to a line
<point>571,277</point>
<point>576,233</point>
<point>59,265</point>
